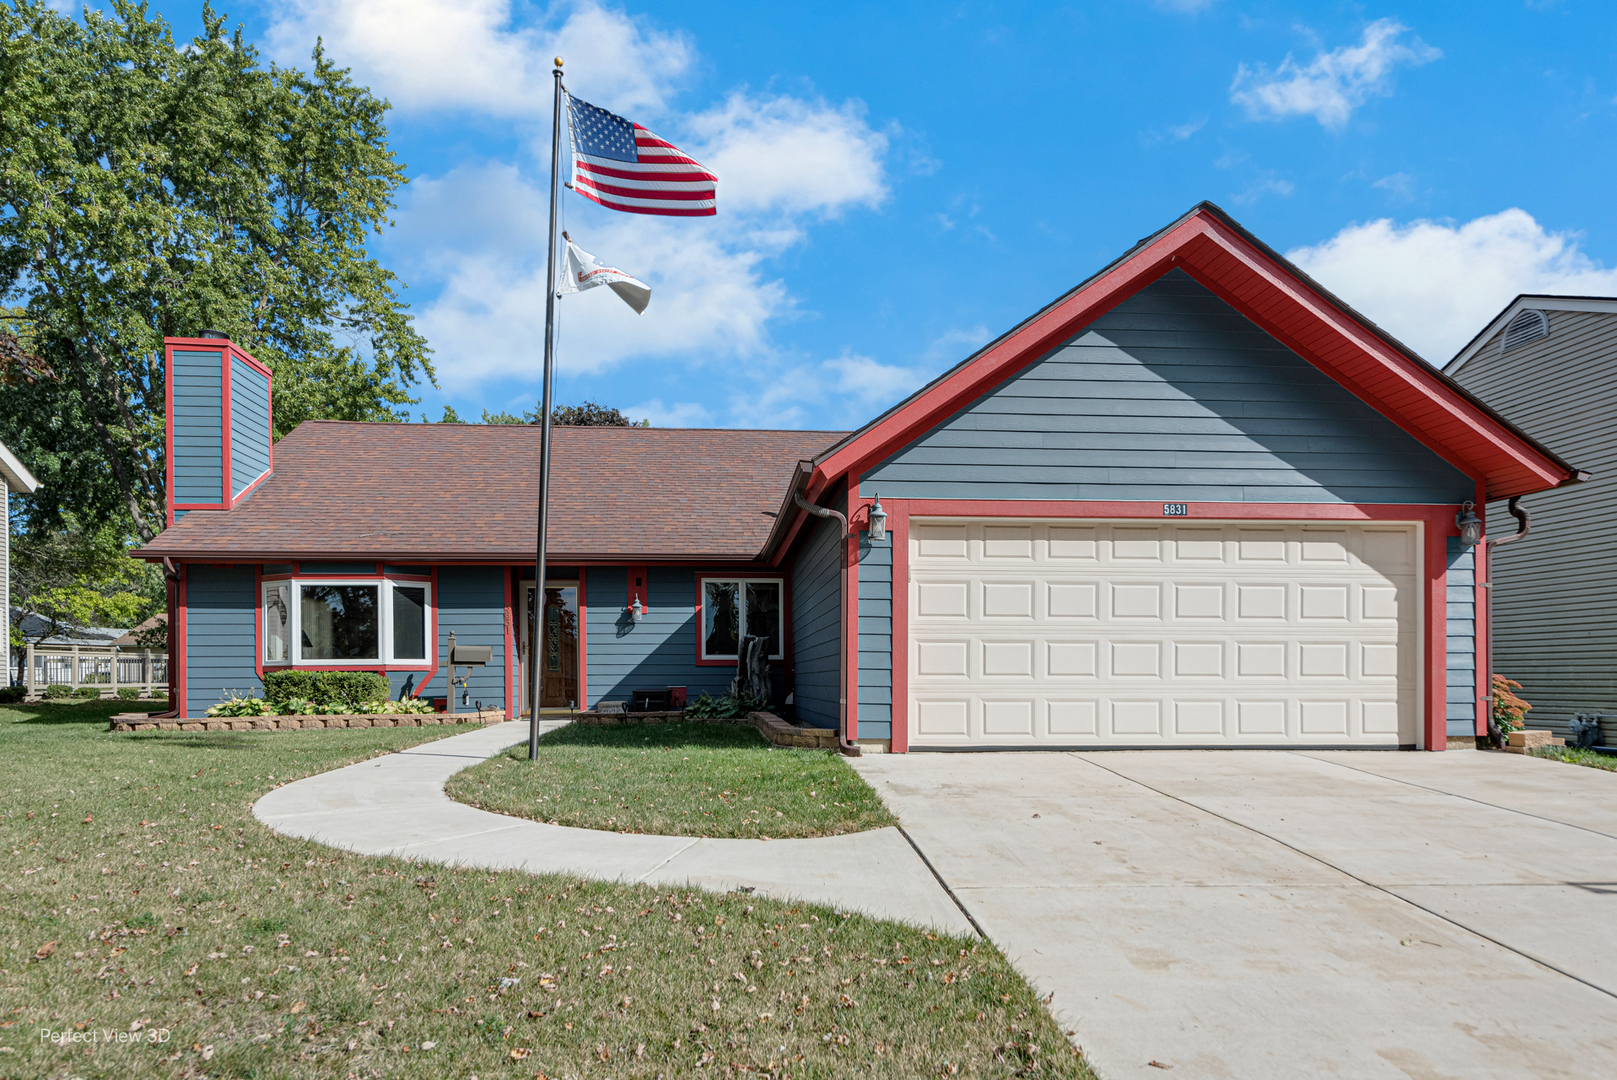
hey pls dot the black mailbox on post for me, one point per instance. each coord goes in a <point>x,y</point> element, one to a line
<point>468,657</point>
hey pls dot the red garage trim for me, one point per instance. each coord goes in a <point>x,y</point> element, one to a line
<point>1436,525</point>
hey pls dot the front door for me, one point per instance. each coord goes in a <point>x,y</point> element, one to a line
<point>558,668</point>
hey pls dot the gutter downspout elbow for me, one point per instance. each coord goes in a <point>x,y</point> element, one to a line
<point>821,512</point>
<point>847,748</point>
<point>1524,524</point>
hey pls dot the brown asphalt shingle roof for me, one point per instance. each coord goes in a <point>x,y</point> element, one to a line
<point>419,492</point>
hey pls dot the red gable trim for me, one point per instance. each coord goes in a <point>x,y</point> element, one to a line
<point>1277,297</point>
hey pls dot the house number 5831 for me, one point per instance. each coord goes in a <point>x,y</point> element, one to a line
<point>1175,509</point>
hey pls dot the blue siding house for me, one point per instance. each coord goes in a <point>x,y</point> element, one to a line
<point>1194,502</point>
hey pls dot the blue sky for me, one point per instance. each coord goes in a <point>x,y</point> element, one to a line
<point>901,182</point>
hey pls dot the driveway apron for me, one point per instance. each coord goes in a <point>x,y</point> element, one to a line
<point>1250,914</point>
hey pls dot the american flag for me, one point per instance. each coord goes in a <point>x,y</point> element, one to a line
<point>622,166</point>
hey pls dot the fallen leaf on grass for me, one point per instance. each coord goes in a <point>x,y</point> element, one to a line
<point>45,950</point>
<point>88,818</point>
<point>297,1006</point>
<point>519,1053</point>
<point>192,970</point>
<point>207,1053</point>
<point>1158,1065</point>
<point>428,1045</point>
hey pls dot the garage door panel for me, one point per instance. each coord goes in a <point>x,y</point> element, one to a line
<point>1105,633</point>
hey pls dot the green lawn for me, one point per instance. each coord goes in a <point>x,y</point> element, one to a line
<point>1576,756</point>
<point>147,915</point>
<point>678,779</point>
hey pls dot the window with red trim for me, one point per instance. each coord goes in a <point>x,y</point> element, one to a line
<point>736,608</point>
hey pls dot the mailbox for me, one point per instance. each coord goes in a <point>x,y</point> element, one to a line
<point>468,657</point>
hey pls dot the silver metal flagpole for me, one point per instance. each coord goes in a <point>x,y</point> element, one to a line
<point>536,635</point>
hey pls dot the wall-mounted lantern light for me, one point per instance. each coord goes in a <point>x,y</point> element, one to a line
<point>637,609</point>
<point>878,522</point>
<point>1470,525</point>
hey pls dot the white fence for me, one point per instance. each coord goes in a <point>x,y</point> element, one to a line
<point>106,669</point>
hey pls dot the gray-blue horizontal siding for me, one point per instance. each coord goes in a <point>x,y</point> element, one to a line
<point>1461,697</point>
<point>1172,396</point>
<point>199,429</point>
<point>659,651</point>
<point>220,642</point>
<point>471,604</point>
<point>816,629</point>
<point>249,424</point>
<point>875,638</point>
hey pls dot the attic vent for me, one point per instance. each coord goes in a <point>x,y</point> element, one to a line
<point>1528,326</point>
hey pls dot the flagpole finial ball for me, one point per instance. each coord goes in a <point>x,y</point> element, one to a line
<point>558,61</point>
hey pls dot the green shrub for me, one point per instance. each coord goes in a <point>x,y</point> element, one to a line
<point>346,688</point>
<point>236,705</point>
<point>10,695</point>
<point>87,692</point>
<point>728,707</point>
<point>128,693</point>
<point>56,691</point>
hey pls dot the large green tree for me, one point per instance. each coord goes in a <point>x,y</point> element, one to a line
<point>149,188</point>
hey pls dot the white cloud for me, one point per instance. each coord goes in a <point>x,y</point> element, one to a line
<point>1334,83</point>
<point>474,55</point>
<point>786,155</point>
<point>678,414</point>
<point>1265,183</point>
<point>1434,285</point>
<point>1400,185</point>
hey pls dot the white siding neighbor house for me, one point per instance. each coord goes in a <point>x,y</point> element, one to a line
<point>1549,364</point>
<point>17,480</point>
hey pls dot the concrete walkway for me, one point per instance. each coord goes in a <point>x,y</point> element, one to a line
<point>396,805</point>
<point>1252,915</point>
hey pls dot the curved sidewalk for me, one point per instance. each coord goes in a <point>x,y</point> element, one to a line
<point>396,806</point>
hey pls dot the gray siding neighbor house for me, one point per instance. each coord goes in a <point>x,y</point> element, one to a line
<point>1549,363</point>
<point>1194,502</point>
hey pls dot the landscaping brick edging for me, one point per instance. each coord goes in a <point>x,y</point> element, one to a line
<point>143,722</point>
<point>779,732</point>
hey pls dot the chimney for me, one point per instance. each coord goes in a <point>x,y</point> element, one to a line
<point>218,446</point>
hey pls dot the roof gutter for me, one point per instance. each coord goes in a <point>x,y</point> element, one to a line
<point>786,516</point>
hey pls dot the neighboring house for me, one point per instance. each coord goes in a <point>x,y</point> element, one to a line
<point>1196,501</point>
<point>1550,364</point>
<point>18,481</point>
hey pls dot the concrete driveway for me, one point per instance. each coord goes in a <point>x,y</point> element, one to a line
<point>1251,914</point>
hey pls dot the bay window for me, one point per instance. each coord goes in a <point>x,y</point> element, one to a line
<point>736,608</point>
<point>346,622</point>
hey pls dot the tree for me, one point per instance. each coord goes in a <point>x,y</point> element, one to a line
<point>78,575</point>
<point>149,189</point>
<point>588,414</point>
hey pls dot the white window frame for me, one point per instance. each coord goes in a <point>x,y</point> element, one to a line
<point>384,636</point>
<point>701,628</point>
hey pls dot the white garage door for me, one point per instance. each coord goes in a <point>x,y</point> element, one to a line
<point>1110,633</point>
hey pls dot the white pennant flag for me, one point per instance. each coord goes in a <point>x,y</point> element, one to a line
<point>582,271</point>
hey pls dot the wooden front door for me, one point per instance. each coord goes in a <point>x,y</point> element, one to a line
<point>558,667</point>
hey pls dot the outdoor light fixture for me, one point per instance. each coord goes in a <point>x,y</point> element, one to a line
<point>1470,525</point>
<point>878,522</point>
<point>637,609</point>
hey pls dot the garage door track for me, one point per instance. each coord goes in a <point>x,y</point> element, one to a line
<point>1250,914</point>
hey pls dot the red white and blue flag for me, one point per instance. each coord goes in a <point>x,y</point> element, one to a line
<point>622,166</point>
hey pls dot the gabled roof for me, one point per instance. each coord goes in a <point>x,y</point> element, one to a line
<point>431,492</point>
<point>1213,248</point>
<point>1540,301</point>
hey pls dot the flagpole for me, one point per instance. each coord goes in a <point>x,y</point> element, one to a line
<point>536,635</point>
